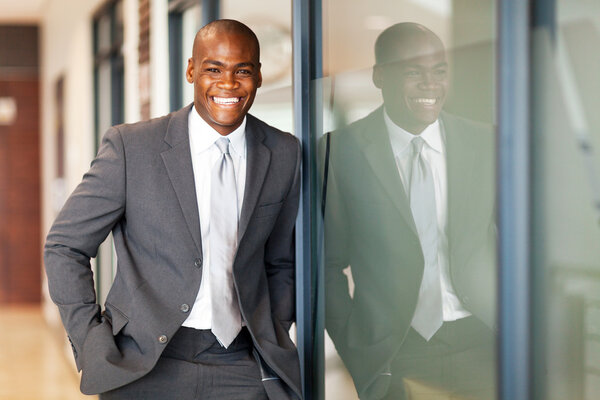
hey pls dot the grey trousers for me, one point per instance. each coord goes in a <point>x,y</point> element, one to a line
<point>194,366</point>
<point>459,361</point>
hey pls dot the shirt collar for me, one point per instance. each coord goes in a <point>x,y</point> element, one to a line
<point>205,135</point>
<point>400,138</point>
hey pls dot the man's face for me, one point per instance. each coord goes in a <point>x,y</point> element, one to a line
<point>226,73</point>
<point>414,85</point>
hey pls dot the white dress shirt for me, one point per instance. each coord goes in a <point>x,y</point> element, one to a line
<point>205,155</point>
<point>434,152</point>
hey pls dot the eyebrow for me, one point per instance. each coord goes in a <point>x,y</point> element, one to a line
<point>439,65</point>
<point>220,64</point>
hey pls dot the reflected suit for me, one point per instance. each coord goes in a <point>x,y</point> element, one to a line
<point>369,227</point>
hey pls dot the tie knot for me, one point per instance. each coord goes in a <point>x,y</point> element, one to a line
<point>417,144</point>
<point>223,145</point>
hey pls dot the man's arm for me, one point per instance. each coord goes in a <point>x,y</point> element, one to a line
<point>280,255</point>
<point>82,225</point>
<point>338,303</point>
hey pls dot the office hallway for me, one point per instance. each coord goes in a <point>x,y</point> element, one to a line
<point>33,363</point>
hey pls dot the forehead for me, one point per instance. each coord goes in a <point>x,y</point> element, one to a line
<point>226,45</point>
<point>418,50</point>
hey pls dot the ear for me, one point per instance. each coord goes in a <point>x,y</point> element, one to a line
<point>259,81</point>
<point>189,72</point>
<point>377,76</point>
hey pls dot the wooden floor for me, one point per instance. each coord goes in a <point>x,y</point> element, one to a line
<point>33,363</point>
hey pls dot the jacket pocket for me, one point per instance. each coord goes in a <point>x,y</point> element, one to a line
<point>118,320</point>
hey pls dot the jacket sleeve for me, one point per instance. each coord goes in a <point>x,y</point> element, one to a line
<point>280,252</point>
<point>338,303</point>
<point>85,221</point>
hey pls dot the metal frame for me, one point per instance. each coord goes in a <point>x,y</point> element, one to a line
<point>514,211</point>
<point>211,10</point>
<point>175,64</point>
<point>543,19</point>
<point>307,69</point>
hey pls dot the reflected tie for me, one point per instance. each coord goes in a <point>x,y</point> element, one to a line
<point>226,319</point>
<point>428,313</point>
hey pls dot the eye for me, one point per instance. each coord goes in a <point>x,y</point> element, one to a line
<point>412,73</point>
<point>244,72</point>
<point>212,70</point>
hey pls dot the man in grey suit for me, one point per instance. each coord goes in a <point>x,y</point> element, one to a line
<point>410,217</point>
<point>201,204</point>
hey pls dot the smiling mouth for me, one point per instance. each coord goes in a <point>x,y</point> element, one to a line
<point>425,101</point>
<point>226,100</point>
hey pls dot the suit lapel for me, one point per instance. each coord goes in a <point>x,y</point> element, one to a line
<point>257,164</point>
<point>178,162</point>
<point>379,155</point>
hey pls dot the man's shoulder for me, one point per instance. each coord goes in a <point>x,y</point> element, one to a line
<point>270,135</point>
<point>153,133</point>
<point>359,133</point>
<point>453,122</point>
<point>373,120</point>
<point>462,133</point>
<point>145,127</point>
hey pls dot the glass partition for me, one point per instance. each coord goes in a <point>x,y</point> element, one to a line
<point>408,266</point>
<point>566,198</point>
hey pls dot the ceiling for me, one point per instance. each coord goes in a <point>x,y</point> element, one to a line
<point>21,11</point>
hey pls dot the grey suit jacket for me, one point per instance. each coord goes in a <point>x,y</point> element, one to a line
<point>141,188</point>
<point>369,226</point>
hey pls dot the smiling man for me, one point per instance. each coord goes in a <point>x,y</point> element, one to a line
<point>410,214</point>
<point>201,204</point>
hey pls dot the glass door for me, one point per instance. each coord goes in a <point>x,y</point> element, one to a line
<point>407,270</point>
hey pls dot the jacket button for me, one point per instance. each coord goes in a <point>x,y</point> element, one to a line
<point>162,339</point>
<point>184,308</point>
<point>198,262</point>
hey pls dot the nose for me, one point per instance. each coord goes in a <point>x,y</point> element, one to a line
<point>428,80</point>
<point>227,81</point>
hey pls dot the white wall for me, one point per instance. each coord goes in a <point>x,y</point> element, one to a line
<point>66,51</point>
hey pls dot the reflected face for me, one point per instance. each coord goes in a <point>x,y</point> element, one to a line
<point>414,84</point>
<point>225,71</point>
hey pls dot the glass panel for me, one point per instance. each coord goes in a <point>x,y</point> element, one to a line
<point>271,21</point>
<point>567,199</point>
<point>190,24</point>
<point>409,259</point>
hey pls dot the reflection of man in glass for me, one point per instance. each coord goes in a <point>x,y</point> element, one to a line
<point>410,211</point>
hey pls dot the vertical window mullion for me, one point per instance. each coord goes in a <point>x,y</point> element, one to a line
<point>307,70</point>
<point>514,219</point>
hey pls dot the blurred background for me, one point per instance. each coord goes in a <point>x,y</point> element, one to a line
<point>70,69</point>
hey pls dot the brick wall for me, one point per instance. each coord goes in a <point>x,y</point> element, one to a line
<point>20,236</point>
<point>144,58</point>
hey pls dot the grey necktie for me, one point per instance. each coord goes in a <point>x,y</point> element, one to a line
<point>428,316</point>
<point>226,318</point>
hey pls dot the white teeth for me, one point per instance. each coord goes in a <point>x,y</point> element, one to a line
<point>425,101</point>
<point>226,100</point>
